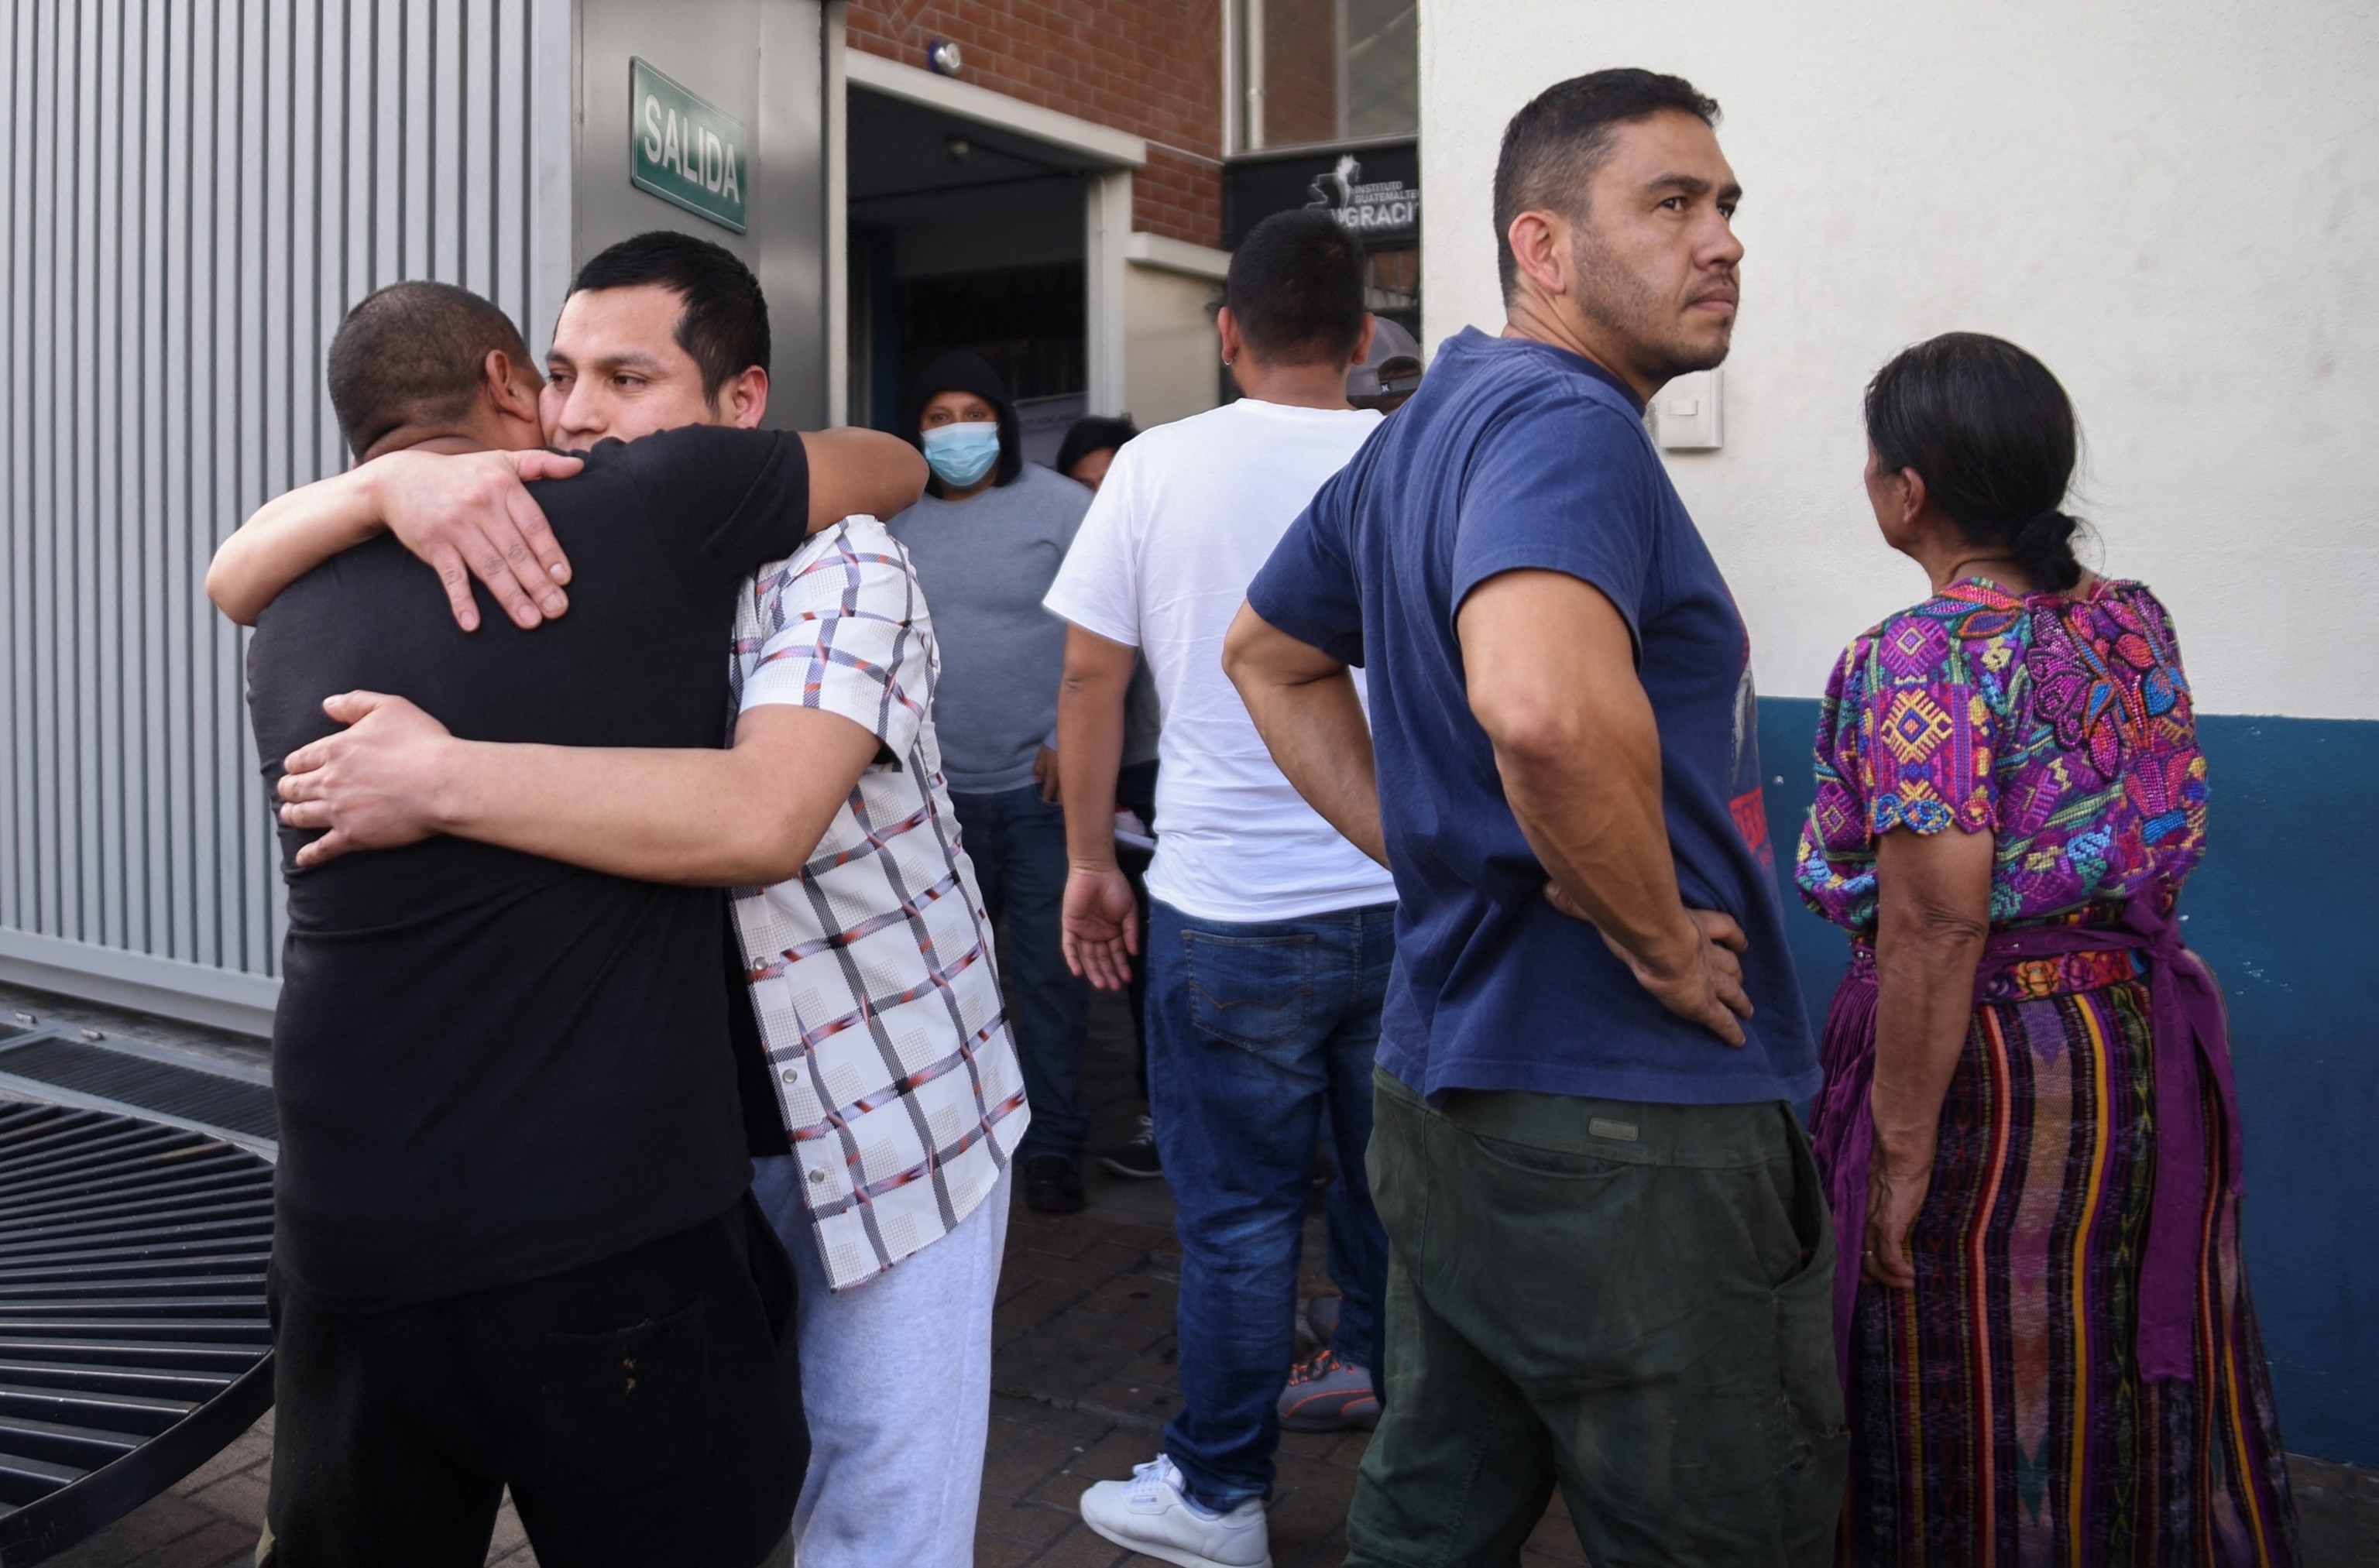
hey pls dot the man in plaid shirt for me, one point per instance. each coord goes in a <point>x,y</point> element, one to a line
<point>863,941</point>
<point>872,979</point>
<point>870,971</point>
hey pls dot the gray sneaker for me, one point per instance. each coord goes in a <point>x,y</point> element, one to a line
<point>1326,1395</point>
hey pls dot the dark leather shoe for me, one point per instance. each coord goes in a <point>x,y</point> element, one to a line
<point>1052,1184</point>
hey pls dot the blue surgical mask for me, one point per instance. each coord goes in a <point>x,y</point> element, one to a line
<point>962,454</point>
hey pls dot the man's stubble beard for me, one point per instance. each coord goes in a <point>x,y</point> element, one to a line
<point>1633,310</point>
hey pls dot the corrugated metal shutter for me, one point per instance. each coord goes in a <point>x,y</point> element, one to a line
<point>196,191</point>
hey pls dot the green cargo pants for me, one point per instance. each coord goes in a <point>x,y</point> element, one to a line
<point>1633,1301</point>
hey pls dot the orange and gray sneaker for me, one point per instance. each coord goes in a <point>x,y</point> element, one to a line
<point>1326,1395</point>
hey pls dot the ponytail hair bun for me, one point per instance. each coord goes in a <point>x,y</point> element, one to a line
<point>2044,547</point>
<point>1994,435</point>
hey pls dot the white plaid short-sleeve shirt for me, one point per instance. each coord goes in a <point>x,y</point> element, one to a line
<point>872,971</point>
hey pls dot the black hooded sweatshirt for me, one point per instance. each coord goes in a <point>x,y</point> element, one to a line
<point>962,370</point>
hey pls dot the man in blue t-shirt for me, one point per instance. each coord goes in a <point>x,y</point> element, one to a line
<point>1612,1263</point>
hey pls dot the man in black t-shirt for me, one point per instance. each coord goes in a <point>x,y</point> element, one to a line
<point>512,1244</point>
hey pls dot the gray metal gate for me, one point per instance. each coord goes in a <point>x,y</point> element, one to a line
<point>195,191</point>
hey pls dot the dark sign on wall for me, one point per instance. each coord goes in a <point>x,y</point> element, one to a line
<point>1374,190</point>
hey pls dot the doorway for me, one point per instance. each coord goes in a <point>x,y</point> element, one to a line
<point>965,235</point>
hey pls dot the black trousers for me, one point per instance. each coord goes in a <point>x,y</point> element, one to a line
<point>644,1410</point>
<point>1135,787</point>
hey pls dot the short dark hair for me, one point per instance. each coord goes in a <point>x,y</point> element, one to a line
<point>1994,435</point>
<point>412,354</point>
<point>1096,433</point>
<point>725,327</point>
<point>1295,288</point>
<point>1552,146</point>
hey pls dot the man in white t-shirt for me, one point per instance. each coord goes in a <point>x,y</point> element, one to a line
<point>1270,936</point>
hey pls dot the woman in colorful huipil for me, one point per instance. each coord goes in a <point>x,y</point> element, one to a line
<point>2027,1130</point>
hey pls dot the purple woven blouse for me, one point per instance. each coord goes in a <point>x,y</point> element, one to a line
<point>2061,723</point>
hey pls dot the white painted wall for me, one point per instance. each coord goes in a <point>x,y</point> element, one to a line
<point>1171,364</point>
<point>2176,205</point>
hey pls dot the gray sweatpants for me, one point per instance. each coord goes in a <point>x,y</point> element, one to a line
<point>896,1381</point>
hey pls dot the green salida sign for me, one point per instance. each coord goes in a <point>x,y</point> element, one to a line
<point>684,151</point>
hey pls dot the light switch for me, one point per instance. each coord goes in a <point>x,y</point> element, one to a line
<point>1685,413</point>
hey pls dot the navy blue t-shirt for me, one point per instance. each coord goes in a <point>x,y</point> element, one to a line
<point>1515,456</point>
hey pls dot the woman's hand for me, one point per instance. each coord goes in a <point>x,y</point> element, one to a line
<point>1897,1175</point>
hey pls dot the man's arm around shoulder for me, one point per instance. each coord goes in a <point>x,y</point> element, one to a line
<point>469,515</point>
<point>858,472</point>
<point>465,515</point>
<point>747,817</point>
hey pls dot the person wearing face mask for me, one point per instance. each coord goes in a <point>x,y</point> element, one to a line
<point>985,541</point>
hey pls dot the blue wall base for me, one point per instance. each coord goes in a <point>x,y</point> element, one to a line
<point>2283,911</point>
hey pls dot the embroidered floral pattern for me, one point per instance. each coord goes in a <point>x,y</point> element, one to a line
<point>2062,725</point>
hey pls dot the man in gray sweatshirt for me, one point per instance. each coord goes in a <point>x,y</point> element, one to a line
<point>986,541</point>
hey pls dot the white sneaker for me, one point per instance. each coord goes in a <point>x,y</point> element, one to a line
<point>1155,1517</point>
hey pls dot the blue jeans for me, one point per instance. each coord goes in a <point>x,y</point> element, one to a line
<point>1253,1028</point>
<point>1018,844</point>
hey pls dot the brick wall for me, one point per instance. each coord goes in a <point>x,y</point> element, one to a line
<point>1151,67</point>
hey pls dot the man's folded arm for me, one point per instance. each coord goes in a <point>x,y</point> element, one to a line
<point>747,817</point>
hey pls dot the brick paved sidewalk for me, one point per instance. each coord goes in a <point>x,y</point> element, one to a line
<point>211,1518</point>
<point>1083,1382</point>
<point>1082,1379</point>
<point>1082,1371</point>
